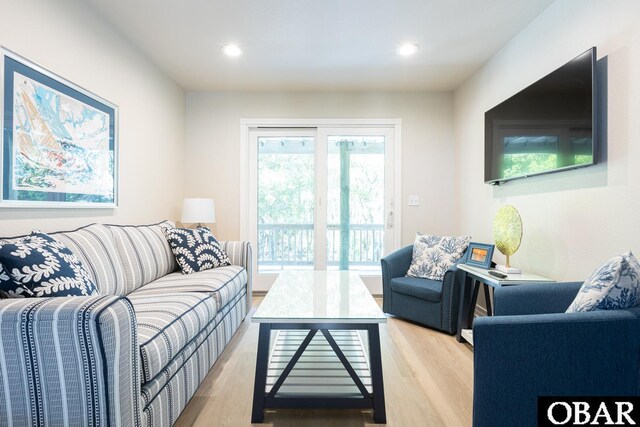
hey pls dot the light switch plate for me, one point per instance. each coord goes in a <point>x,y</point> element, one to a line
<point>414,200</point>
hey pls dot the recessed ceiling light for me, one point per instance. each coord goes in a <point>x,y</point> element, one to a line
<point>232,50</point>
<point>407,49</point>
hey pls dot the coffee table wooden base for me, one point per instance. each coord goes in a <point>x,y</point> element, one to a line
<point>305,353</point>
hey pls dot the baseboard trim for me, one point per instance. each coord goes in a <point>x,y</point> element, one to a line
<point>480,311</point>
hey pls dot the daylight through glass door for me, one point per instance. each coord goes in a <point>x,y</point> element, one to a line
<point>323,199</point>
<point>355,202</point>
<point>286,185</point>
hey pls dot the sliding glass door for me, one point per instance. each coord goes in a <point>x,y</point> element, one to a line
<point>356,205</point>
<point>323,199</point>
<point>285,201</point>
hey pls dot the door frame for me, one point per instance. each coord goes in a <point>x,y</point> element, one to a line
<point>374,283</point>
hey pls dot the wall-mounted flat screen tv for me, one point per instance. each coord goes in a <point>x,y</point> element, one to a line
<point>546,127</point>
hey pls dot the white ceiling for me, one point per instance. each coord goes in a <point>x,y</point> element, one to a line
<point>319,44</point>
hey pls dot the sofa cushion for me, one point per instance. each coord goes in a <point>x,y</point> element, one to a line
<point>144,252</point>
<point>223,283</point>
<point>223,326</point>
<point>433,255</point>
<point>95,247</point>
<point>195,249</point>
<point>166,324</point>
<point>426,289</point>
<point>614,285</point>
<point>39,265</point>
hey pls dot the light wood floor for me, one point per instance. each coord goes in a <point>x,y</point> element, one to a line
<point>428,379</point>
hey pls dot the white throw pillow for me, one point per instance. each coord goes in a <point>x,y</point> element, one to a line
<point>614,285</point>
<point>433,255</point>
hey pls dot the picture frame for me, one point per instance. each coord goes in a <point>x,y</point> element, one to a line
<point>480,255</point>
<point>59,141</point>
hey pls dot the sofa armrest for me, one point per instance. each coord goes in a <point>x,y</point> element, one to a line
<point>396,264</point>
<point>534,298</point>
<point>451,289</point>
<point>69,361</point>
<point>518,358</point>
<point>240,253</point>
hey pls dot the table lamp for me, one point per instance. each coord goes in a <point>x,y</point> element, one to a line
<point>507,234</point>
<point>198,211</point>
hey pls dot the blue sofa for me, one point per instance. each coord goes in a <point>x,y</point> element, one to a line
<point>531,348</point>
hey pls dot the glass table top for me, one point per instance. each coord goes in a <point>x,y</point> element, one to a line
<point>511,279</point>
<point>318,297</point>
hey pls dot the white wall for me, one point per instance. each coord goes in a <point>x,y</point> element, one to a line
<point>67,38</point>
<point>212,155</point>
<point>575,220</point>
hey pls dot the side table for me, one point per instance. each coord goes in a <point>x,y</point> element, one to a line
<point>476,276</point>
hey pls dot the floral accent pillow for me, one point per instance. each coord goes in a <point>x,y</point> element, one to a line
<point>433,255</point>
<point>614,285</point>
<point>195,249</point>
<point>40,266</point>
<point>4,278</point>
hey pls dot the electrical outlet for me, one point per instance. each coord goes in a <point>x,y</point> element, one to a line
<point>414,200</point>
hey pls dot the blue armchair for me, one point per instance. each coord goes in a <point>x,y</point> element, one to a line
<point>531,348</point>
<point>431,303</point>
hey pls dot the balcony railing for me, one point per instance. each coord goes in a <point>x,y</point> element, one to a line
<point>292,245</point>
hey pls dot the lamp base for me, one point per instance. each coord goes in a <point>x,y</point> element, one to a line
<point>508,270</point>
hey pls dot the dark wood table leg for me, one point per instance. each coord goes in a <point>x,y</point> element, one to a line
<point>487,300</point>
<point>466,292</point>
<point>262,364</point>
<point>472,305</point>
<point>375,358</point>
<point>467,305</point>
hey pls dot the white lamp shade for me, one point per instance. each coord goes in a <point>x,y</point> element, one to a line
<point>196,211</point>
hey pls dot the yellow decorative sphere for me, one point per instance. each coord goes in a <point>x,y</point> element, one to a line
<point>507,230</point>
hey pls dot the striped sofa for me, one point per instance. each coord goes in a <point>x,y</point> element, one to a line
<point>135,354</point>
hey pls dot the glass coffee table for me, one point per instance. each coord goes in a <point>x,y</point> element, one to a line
<point>313,351</point>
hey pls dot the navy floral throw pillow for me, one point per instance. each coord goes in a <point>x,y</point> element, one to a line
<point>40,266</point>
<point>195,249</point>
<point>433,255</point>
<point>612,286</point>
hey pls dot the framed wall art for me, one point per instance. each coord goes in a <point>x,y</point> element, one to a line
<point>480,255</point>
<point>59,143</point>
